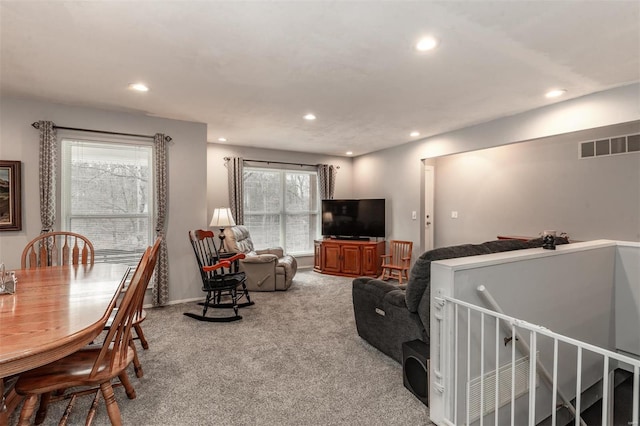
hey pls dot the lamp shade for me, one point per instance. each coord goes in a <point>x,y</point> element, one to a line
<point>222,217</point>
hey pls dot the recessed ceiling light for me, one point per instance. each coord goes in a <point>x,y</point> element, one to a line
<point>309,117</point>
<point>426,44</point>
<point>555,93</point>
<point>349,153</point>
<point>222,139</point>
<point>139,87</point>
<point>414,134</point>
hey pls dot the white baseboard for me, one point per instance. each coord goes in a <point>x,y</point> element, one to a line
<point>175,302</point>
<point>304,268</point>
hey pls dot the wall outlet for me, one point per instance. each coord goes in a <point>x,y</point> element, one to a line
<point>414,215</point>
<point>454,214</point>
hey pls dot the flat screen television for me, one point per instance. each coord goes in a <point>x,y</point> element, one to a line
<point>353,219</point>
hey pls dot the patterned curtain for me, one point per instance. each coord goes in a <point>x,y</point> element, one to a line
<point>161,287</point>
<point>235,170</point>
<point>327,177</point>
<point>48,150</point>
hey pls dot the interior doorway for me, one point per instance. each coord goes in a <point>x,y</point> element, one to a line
<point>428,218</point>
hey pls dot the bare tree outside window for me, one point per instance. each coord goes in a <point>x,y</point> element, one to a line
<point>282,208</point>
<point>107,196</point>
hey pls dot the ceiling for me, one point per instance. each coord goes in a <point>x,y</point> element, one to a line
<point>251,70</point>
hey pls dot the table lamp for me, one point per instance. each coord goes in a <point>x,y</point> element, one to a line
<point>222,218</point>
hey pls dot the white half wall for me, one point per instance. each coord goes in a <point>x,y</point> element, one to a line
<point>569,291</point>
<point>187,176</point>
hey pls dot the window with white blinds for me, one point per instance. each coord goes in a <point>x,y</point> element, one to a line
<point>107,195</point>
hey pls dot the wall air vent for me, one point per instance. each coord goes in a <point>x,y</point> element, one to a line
<point>503,376</point>
<point>613,146</point>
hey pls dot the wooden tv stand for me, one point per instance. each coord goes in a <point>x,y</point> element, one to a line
<point>349,258</point>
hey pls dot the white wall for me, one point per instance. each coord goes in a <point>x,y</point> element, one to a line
<point>525,188</point>
<point>397,173</point>
<point>187,176</point>
<point>217,182</point>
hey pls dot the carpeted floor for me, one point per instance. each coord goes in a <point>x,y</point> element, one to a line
<point>294,359</point>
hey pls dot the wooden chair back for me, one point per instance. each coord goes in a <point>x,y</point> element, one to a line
<point>116,342</point>
<point>204,247</point>
<point>57,248</point>
<point>396,263</point>
<point>400,252</point>
<point>153,258</point>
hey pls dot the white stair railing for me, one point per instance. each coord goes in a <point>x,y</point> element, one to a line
<point>455,384</point>
<point>524,348</point>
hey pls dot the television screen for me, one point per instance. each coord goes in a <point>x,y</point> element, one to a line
<point>353,218</point>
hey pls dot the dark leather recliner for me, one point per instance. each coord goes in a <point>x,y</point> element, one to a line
<point>388,315</point>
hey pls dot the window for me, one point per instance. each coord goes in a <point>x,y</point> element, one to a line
<point>281,208</point>
<point>107,195</point>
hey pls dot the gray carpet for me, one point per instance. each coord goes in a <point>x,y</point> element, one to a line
<point>294,359</point>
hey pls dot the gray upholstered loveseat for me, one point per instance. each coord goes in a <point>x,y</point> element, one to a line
<point>388,315</point>
<point>267,270</point>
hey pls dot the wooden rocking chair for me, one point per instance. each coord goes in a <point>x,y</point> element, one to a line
<point>396,264</point>
<point>219,278</point>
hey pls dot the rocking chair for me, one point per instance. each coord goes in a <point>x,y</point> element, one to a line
<point>220,278</point>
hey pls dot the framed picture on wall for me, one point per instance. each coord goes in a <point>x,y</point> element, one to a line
<point>10,197</point>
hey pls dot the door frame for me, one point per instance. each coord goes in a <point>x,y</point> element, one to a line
<point>428,222</point>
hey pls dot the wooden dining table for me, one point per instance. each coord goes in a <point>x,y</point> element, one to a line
<point>54,312</point>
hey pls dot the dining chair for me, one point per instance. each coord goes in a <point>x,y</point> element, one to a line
<point>140,314</point>
<point>396,264</point>
<point>57,248</point>
<point>92,365</point>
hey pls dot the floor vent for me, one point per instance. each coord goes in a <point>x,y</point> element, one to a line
<point>504,378</point>
<point>610,146</point>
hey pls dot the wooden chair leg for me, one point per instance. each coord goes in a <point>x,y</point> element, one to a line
<point>384,276</point>
<point>11,400</point>
<point>42,409</point>
<point>27,410</point>
<point>140,334</point>
<point>137,367</point>
<point>110,400</point>
<point>246,291</point>
<point>234,300</point>
<point>205,306</point>
<point>92,411</point>
<point>128,387</point>
<point>67,412</point>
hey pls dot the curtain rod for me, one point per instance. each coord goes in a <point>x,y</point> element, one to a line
<point>36,125</point>
<point>277,162</point>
